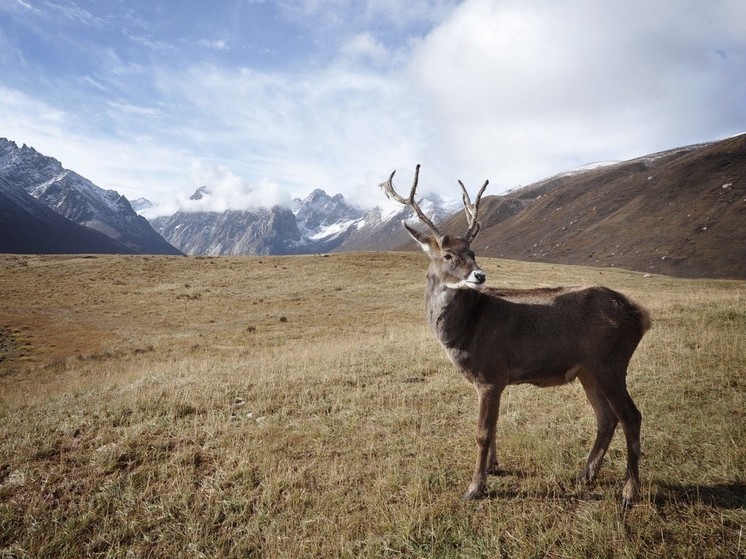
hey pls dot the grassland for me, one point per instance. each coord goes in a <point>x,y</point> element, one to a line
<point>156,407</point>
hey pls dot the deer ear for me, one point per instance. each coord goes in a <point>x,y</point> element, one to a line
<point>423,240</point>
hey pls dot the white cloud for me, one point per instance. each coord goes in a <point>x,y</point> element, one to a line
<point>520,89</point>
<point>227,190</point>
<point>214,44</point>
<point>512,91</point>
<point>126,108</point>
<point>324,128</point>
<point>364,48</point>
<point>135,165</point>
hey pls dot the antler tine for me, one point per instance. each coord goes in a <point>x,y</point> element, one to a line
<point>472,210</point>
<point>388,188</point>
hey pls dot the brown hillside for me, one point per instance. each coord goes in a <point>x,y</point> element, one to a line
<point>680,213</point>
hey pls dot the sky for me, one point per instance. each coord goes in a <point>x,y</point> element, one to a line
<point>264,101</point>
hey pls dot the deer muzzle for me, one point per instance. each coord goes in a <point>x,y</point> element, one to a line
<point>477,277</point>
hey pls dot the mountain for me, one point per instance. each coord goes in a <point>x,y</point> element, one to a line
<point>27,226</point>
<point>201,192</point>
<point>324,221</point>
<point>78,199</point>
<point>380,228</point>
<point>231,232</point>
<point>141,204</point>
<point>680,212</point>
<point>319,210</point>
<point>317,223</point>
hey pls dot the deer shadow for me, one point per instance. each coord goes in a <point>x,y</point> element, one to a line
<point>730,495</point>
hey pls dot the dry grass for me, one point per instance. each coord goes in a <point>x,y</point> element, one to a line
<point>299,407</point>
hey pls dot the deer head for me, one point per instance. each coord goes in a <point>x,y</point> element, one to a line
<point>452,261</point>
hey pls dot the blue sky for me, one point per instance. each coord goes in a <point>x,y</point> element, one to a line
<point>267,100</point>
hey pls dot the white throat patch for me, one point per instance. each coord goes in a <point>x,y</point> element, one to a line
<point>464,284</point>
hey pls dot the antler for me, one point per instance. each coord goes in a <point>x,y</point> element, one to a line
<point>388,188</point>
<point>472,211</point>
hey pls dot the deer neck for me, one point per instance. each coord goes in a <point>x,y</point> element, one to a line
<point>450,312</point>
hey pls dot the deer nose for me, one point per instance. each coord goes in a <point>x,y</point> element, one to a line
<point>479,276</point>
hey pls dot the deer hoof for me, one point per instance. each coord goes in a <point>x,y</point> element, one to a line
<point>584,478</point>
<point>475,492</point>
<point>630,496</point>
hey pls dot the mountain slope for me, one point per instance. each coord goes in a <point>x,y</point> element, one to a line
<point>324,221</point>
<point>380,228</point>
<point>78,199</point>
<point>27,226</point>
<point>681,212</point>
<point>232,232</point>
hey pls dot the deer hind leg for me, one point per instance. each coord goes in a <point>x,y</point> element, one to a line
<point>631,419</point>
<point>606,422</point>
<point>489,406</point>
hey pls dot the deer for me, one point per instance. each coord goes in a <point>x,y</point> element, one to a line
<point>497,337</point>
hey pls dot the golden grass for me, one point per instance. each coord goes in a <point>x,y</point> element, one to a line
<point>299,407</point>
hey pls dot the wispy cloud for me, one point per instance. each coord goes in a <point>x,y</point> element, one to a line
<point>214,44</point>
<point>320,128</point>
<point>73,12</point>
<point>23,4</point>
<point>122,107</point>
<point>512,91</point>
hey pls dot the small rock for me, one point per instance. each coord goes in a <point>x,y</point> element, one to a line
<point>14,478</point>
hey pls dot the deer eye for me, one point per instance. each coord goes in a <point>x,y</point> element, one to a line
<point>448,256</point>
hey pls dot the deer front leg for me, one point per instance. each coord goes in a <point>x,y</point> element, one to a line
<point>492,468</point>
<point>489,406</point>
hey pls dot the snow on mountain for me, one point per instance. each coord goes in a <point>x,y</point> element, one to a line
<point>329,223</point>
<point>324,220</point>
<point>78,199</point>
<point>232,232</point>
<point>201,192</point>
<point>380,228</point>
<point>317,223</point>
<point>141,204</point>
<point>28,226</point>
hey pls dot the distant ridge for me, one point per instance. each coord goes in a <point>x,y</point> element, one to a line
<point>680,212</point>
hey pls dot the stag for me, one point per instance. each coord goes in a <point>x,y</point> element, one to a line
<point>545,337</point>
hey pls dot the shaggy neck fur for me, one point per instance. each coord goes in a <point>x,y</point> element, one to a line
<point>452,313</point>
